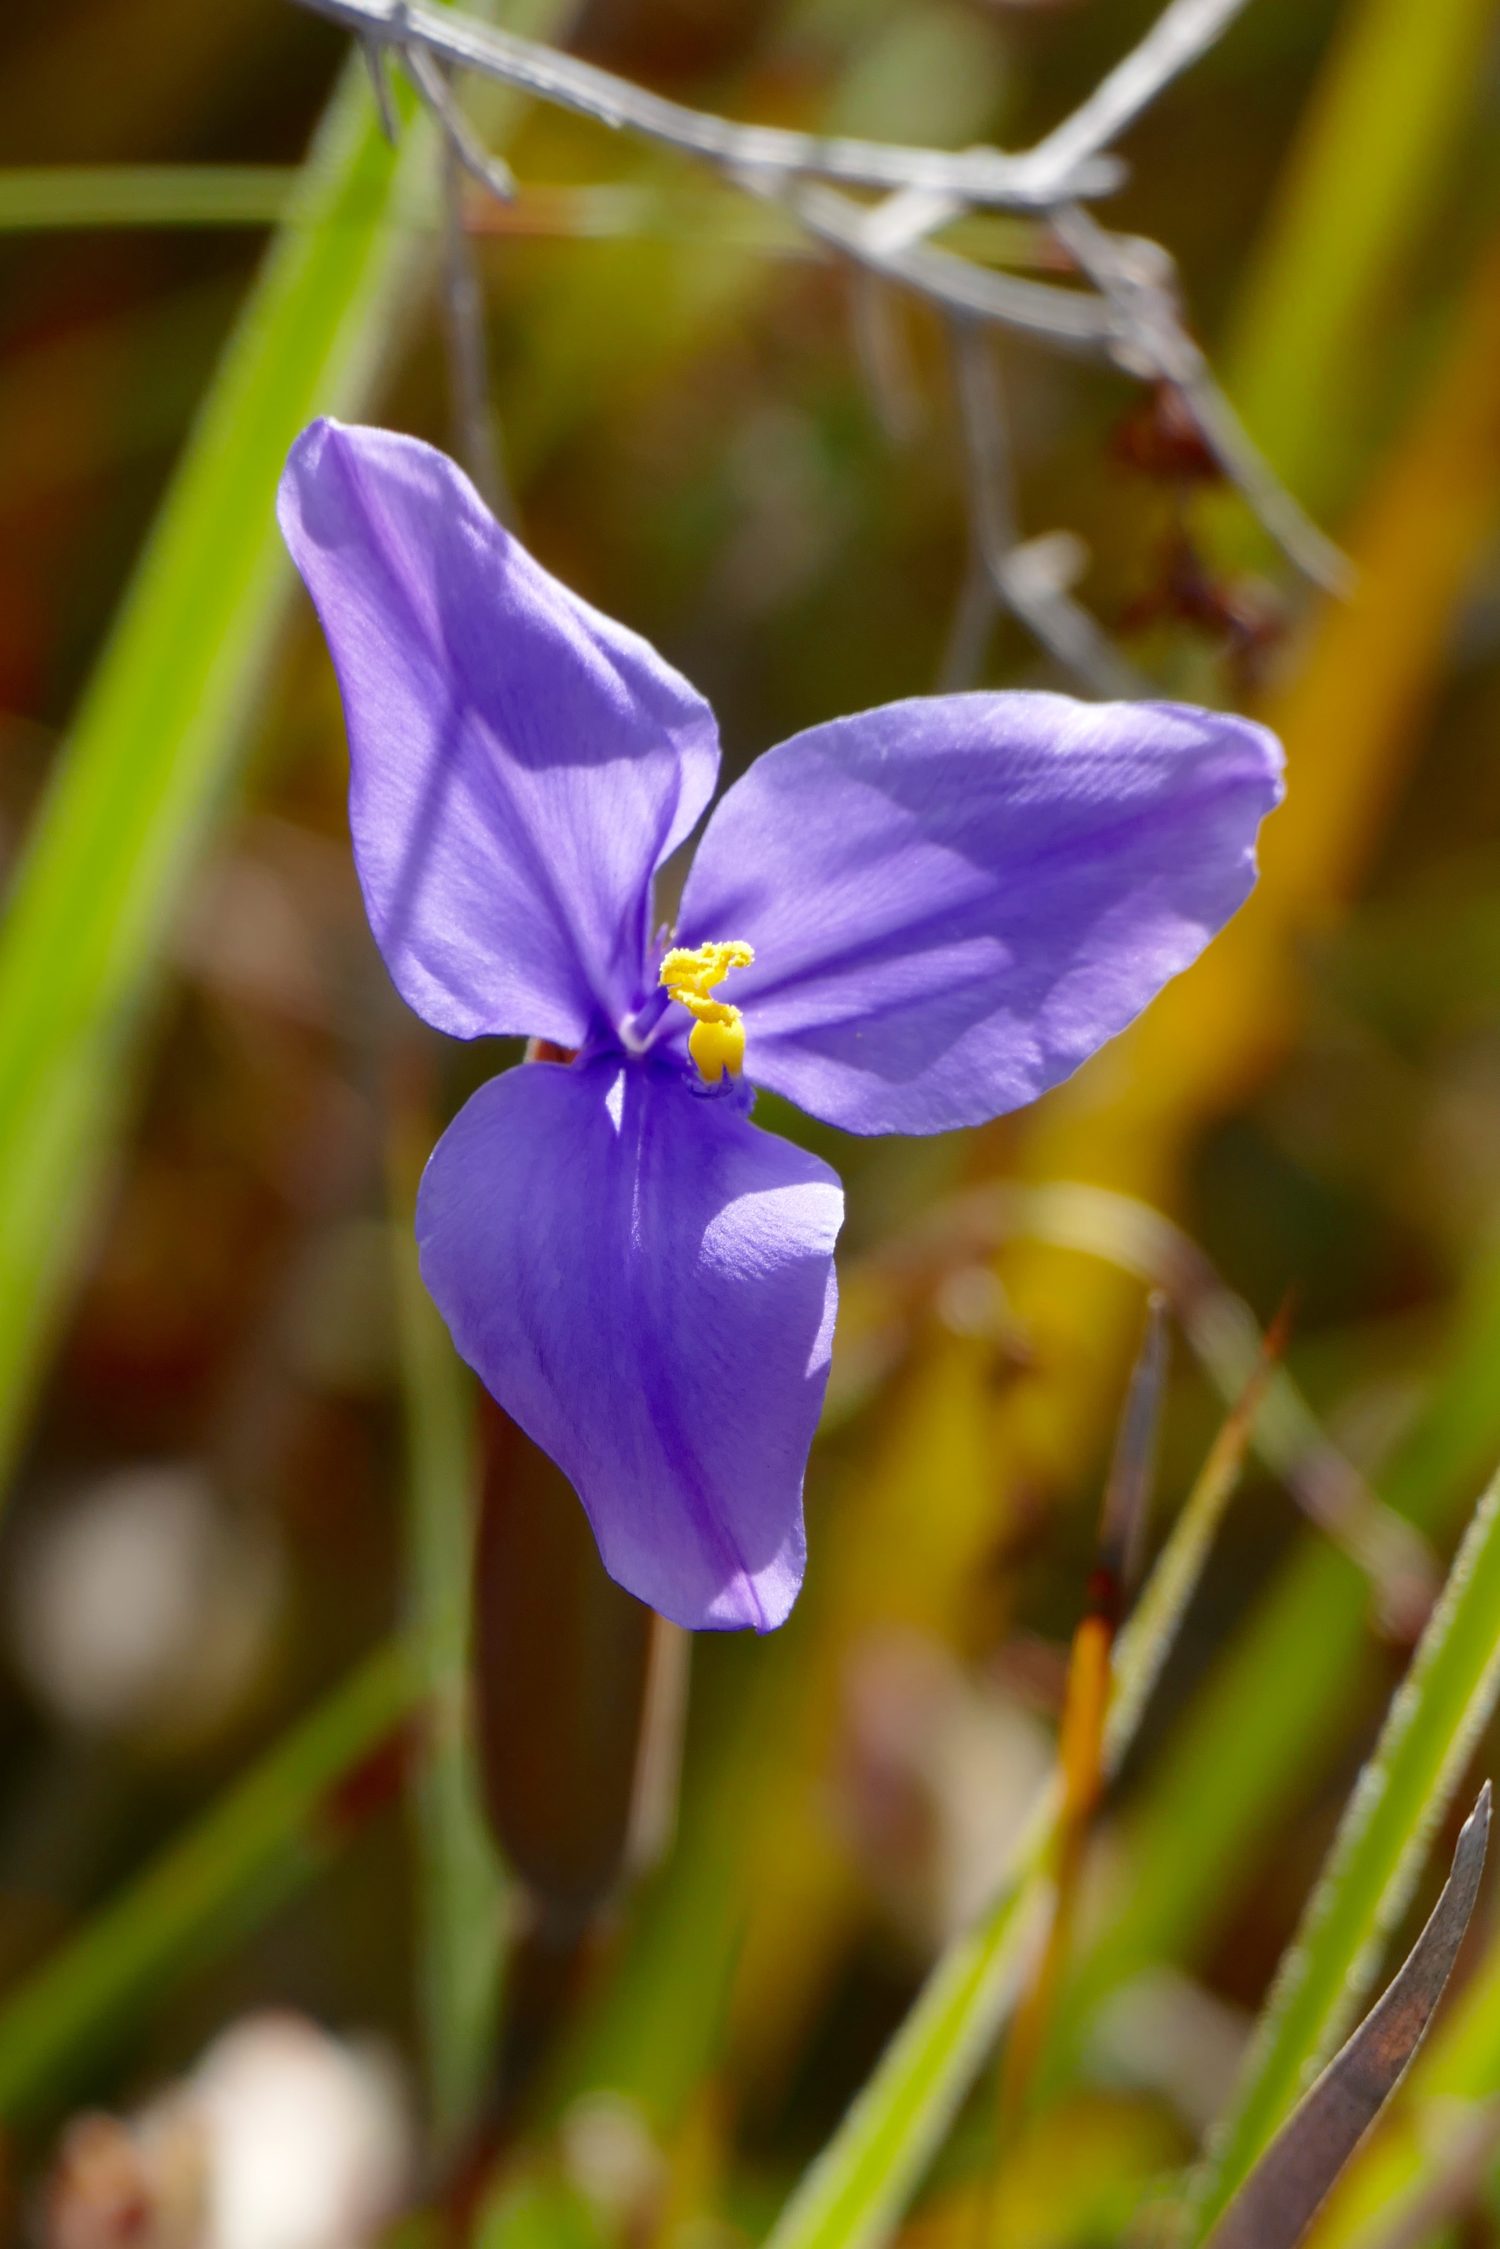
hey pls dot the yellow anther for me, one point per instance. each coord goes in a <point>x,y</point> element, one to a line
<point>697,968</point>
<point>717,1039</point>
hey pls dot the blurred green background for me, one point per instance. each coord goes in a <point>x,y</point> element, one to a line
<point>239,1456</point>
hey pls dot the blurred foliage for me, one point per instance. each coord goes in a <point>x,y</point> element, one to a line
<point>242,1456</point>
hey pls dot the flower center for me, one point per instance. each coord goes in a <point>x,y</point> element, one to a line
<point>717,1039</point>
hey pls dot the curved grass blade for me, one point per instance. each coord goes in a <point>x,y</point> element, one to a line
<point>1451,2116</point>
<point>1276,2204</point>
<point>1433,1724</point>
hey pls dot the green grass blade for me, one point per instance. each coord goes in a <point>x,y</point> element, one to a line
<point>1404,1790</point>
<point>855,2192</point>
<point>269,1834</point>
<point>461,1897</point>
<point>155,741</point>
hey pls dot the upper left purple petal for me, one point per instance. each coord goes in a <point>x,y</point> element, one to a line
<point>519,764</point>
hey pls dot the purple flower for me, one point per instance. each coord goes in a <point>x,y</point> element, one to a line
<point>905,921</point>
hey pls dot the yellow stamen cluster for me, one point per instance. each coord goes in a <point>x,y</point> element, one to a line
<point>717,1039</point>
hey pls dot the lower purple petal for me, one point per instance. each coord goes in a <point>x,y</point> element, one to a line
<point>645,1282</point>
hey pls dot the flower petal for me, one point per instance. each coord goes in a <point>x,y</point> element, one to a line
<point>955,901</point>
<point>520,765</point>
<point>645,1282</point>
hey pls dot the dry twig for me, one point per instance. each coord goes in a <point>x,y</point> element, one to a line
<point>979,176</point>
<point>1127,310</point>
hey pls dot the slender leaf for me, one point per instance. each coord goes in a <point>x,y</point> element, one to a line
<point>1275,2206</point>
<point>1453,2103</point>
<point>1429,1733</point>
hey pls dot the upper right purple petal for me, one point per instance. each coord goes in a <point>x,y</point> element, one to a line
<point>954,901</point>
